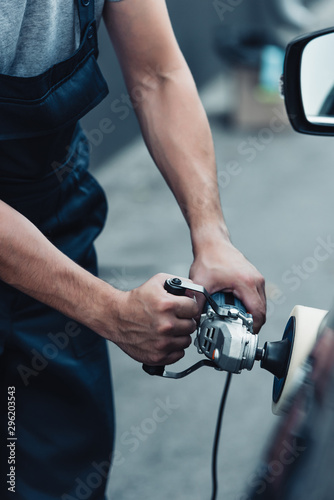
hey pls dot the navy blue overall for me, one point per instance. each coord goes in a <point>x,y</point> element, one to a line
<point>54,369</point>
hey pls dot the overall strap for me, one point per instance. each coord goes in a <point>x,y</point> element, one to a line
<point>86,14</point>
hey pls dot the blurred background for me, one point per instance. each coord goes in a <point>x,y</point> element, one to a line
<point>277,197</point>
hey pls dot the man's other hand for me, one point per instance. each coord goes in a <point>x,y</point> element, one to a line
<point>154,326</point>
<point>221,267</point>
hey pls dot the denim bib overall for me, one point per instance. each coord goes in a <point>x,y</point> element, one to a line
<point>56,370</point>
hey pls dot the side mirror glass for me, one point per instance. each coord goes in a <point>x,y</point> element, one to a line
<point>308,83</point>
<point>317,80</point>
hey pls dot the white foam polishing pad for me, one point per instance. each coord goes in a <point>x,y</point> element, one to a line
<point>301,329</point>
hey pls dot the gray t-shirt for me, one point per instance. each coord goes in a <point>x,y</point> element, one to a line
<point>36,34</point>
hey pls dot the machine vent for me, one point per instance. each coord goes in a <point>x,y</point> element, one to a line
<point>208,339</point>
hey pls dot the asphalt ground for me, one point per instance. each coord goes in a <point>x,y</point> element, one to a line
<point>277,196</point>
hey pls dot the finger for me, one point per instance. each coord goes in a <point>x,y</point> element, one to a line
<point>263,305</point>
<point>255,305</point>
<point>179,343</point>
<point>259,315</point>
<point>186,308</point>
<point>174,357</point>
<point>173,351</point>
<point>200,299</point>
<point>184,327</point>
<point>262,292</point>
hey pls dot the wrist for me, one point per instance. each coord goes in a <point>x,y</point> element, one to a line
<point>103,311</point>
<point>206,237</point>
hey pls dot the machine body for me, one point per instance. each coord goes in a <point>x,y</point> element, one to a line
<point>225,336</point>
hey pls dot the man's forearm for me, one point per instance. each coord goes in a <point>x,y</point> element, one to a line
<point>149,324</point>
<point>30,263</point>
<point>171,116</point>
<point>177,133</point>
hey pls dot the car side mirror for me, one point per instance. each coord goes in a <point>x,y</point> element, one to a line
<point>308,83</point>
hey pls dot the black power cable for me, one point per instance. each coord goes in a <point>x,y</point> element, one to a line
<point>217,434</point>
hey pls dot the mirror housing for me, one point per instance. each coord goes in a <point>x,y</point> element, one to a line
<point>305,65</point>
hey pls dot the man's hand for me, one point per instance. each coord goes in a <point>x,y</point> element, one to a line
<point>220,266</point>
<point>153,326</point>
